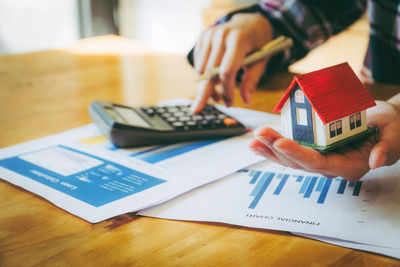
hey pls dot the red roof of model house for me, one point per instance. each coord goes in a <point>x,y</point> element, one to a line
<point>334,92</point>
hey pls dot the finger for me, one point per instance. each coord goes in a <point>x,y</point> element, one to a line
<point>215,95</point>
<point>387,150</point>
<point>251,77</point>
<point>218,48</point>
<point>206,88</point>
<point>236,50</point>
<point>268,136</point>
<point>203,94</point>
<point>202,50</point>
<point>378,155</point>
<point>259,148</point>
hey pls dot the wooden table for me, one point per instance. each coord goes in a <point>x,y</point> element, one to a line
<point>48,92</point>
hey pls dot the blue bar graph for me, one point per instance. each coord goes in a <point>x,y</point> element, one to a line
<point>309,185</point>
<point>324,191</point>
<point>357,188</point>
<point>320,184</point>
<point>281,184</point>
<point>305,185</point>
<point>259,185</point>
<point>262,189</point>
<point>255,175</point>
<point>342,186</point>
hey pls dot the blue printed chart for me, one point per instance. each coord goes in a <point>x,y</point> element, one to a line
<point>86,177</point>
<point>274,197</point>
<point>80,171</point>
<point>307,185</point>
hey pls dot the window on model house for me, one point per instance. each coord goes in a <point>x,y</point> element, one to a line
<point>299,96</point>
<point>301,116</point>
<point>355,120</point>
<point>335,128</point>
<point>358,119</point>
<point>338,127</point>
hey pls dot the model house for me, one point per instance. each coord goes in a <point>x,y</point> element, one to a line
<point>326,108</point>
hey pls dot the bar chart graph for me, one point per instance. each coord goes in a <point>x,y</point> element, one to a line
<point>307,185</point>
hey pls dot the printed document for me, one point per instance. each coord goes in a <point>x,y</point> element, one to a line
<point>363,215</point>
<point>82,172</point>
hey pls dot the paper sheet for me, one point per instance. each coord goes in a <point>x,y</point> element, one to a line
<point>364,214</point>
<point>81,172</point>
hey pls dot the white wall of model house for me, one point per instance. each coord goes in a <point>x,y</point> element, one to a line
<point>286,120</point>
<point>321,130</point>
<point>346,131</point>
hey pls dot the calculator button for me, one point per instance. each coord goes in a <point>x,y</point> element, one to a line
<point>172,119</point>
<point>229,121</point>
<point>197,117</point>
<point>148,111</point>
<point>191,124</point>
<point>161,110</point>
<point>178,124</point>
<point>184,118</point>
<point>166,115</point>
<point>179,114</point>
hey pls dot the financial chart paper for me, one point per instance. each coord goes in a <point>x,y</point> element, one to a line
<point>363,214</point>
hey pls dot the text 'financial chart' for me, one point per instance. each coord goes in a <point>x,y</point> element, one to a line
<point>306,185</point>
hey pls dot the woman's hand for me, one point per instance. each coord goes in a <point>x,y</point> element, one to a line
<point>226,45</point>
<point>350,162</point>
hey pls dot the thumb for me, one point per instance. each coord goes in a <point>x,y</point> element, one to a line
<point>379,155</point>
<point>251,77</point>
<point>387,150</point>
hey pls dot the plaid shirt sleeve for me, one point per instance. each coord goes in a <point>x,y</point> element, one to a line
<point>308,22</point>
<point>312,22</point>
<point>382,60</point>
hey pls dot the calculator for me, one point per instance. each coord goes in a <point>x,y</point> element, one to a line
<point>151,125</point>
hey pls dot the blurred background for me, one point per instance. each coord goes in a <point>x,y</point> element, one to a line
<point>171,26</point>
<point>166,25</point>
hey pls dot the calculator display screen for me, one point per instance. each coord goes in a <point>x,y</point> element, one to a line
<point>130,116</point>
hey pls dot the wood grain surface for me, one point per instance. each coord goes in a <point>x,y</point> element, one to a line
<point>48,92</point>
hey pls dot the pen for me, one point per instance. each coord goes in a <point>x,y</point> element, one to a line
<point>275,46</point>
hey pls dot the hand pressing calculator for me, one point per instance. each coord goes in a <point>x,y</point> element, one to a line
<point>141,126</point>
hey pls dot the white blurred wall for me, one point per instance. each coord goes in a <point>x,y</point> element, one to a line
<point>33,25</point>
<point>169,25</point>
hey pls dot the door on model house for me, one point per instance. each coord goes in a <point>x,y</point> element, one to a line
<point>302,124</point>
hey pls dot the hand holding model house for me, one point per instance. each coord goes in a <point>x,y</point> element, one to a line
<point>325,111</point>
